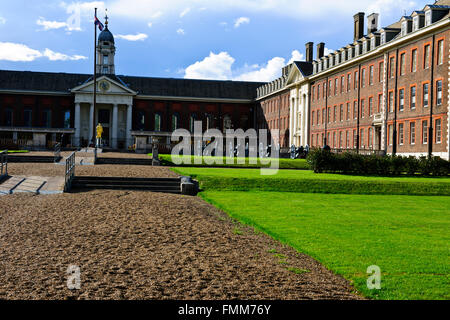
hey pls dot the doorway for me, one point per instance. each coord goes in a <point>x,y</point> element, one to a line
<point>104,118</point>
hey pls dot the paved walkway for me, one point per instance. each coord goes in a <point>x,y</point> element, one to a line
<point>32,184</point>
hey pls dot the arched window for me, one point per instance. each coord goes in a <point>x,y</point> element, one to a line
<point>209,121</point>
<point>244,122</point>
<point>141,120</point>
<point>157,122</point>
<point>175,121</point>
<point>192,120</point>
<point>8,119</point>
<point>227,122</point>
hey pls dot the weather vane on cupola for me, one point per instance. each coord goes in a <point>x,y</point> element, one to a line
<point>106,18</point>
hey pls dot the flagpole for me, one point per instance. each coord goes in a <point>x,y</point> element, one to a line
<point>95,77</point>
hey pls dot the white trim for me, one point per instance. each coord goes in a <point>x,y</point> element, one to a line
<point>87,84</point>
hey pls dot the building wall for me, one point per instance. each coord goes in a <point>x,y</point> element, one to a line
<point>273,113</point>
<point>57,105</point>
<point>376,127</point>
<point>241,115</point>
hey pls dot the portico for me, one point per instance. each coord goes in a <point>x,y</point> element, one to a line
<point>114,111</point>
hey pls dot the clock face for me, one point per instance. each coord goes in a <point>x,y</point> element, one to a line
<point>104,86</point>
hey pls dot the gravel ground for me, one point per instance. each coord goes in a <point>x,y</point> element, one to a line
<point>52,170</point>
<point>137,245</point>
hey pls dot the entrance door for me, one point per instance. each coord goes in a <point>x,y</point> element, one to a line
<point>378,138</point>
<point>104,118</point>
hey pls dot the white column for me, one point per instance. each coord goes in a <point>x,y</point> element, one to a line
<point>91,123</point>
<point>291,120</point>
<point>295,115</point>
<point>77,124</point>
<point>129,123</point>
<point>115,125</point>
<point>305,130</point>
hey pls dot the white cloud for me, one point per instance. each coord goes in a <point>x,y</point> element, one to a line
<point>56,56</point>
<point>297,9</point>
<point>240,21</point>
<point>181,31</point>
<point>157,14</point>
<point>19,52</point>
<point>219,67</point>
<point>150,24</point>
<point>132,37</point>
<point>185,12</point>
<point>2,20</point>
<point>296,56</point>
<point>213,67</point>
<point>50,25</point>
<point>328,51</point>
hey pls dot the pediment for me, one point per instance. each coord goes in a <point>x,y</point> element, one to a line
<point>294,76</point>
<point>105,85</point>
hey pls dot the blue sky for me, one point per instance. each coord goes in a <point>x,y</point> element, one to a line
<point>209,39</point>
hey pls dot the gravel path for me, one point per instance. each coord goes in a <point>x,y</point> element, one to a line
<point>137,245</point>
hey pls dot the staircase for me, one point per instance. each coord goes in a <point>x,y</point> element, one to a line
<point>124,161</point>
<point>32,159</point>
<point>164,185</point>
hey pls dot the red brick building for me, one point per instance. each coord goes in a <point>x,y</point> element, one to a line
<point>38,109</point>
<point>388,90</point>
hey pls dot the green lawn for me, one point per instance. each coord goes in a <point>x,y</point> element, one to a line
<point>348,223</point>
<point>406,236</point>
<point>310,182</point>
<point>299,164</point>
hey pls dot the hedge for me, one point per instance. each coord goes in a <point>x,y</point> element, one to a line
<point>351,163</point>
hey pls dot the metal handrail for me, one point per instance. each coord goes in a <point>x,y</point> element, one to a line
<point>70,172</point>
<point>57,153</point>
<point>4,163</point>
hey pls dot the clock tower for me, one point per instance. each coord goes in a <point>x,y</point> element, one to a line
<point>106,51</point>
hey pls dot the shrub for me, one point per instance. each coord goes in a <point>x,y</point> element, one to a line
<point>351,163</point>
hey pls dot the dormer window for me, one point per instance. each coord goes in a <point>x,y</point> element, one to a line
<point>383,38</point>
<point>404,28</point>
<point>416,23</point>
<point>343,56</point>
<point>428,18</point>
<point>372,43</point>
<point>356,50</point>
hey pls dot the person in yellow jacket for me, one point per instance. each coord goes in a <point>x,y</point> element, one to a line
<point>99,134</point>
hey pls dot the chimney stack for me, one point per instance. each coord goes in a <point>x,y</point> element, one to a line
<point>320,50</point>
<point>309,52</point>
<point>359,25</point>
<point>372,23</point>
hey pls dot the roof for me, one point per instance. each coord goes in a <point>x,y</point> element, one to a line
<point>306,68</point>
<point>106,35</point>
<point>64,82</point>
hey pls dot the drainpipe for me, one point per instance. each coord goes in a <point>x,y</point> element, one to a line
<point>325,142</point>
<point>359,107</point>
<point>431,93</point>
<point>394,142</point>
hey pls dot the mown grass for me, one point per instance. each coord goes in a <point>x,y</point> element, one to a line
<point>309,182</point>
<point>406,236</point>
<point>16,151</point>
<point>166,160</point>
